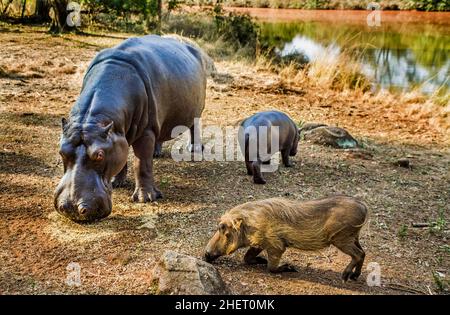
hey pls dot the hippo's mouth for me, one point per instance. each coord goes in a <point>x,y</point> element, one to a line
<point>92,217</point>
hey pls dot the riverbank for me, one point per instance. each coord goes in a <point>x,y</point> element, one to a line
<point>358,17</point>
<point>421,5</point>
<point>41,81</point>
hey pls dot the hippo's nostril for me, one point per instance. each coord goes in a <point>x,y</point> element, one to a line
<point>82,209</point>
<point>65,207</point>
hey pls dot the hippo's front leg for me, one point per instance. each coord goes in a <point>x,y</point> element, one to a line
<point>158,150</point>
<point>144,148</point>
<point>119,179</point>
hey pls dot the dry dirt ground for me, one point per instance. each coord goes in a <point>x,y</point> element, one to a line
<point>39,81</point>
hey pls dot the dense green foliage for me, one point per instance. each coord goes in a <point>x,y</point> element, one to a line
<point>432,5</point>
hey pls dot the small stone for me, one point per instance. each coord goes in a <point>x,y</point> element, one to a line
<point>403,162</point>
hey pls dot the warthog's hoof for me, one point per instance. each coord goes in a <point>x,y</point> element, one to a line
<point>284,268</point>
<point>256,261</point>
<point>345,276</point>
<point>354,276</point>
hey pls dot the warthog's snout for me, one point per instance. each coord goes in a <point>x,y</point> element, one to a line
<point>210,257</point>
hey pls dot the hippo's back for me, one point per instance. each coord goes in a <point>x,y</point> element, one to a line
<point>171,87</point>
<point>267,118</point>
<point>155,58</point>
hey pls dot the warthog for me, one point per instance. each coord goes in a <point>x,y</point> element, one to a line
<point>275,224</point>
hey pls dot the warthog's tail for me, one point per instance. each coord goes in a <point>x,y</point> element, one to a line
<point>207,62</point>
<point>367,213</point>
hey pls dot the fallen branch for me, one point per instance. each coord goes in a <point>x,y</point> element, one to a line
<point>420,224</point>
<point>404,288</point>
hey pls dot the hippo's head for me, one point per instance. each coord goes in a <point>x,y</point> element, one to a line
<point>92,154</point>
<point>228,238</point>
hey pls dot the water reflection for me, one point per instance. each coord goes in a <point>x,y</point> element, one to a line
<point>394,58</point>
<point>308,48</point>
<point>399,69</point>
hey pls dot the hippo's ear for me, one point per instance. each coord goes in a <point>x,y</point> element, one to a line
<point>63,123</point>
<point>108,127</point>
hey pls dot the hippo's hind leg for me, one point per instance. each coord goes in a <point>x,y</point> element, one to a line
<point>248,163</point>
<point>249,167</point>
<point>196,145</point>
<point>257,176</point>
<point>251,256</point>
<point>143,168</point>
<point>274,256</point>
<point>119,179</point>
<point>158,150</point>
<point>285,157</point>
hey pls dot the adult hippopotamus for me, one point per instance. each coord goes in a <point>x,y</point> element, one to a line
<point>132,94</point>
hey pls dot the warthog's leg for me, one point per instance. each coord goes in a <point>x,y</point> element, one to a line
<point>257,177</point>
<point>143,168</point>
<point>251,256</point>
<point>357,255</point>
<point>274,256</point>
<point>158,150</point>
<point>355,274</point>
<point>285,156</point>
<point>119,179</point>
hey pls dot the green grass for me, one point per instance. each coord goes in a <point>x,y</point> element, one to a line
<point>441,283</point>
<point>440,224</point>
<point>403,232</point>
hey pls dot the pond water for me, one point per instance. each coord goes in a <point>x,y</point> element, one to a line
<point>405,50</point>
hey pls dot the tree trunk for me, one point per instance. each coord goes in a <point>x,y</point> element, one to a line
<point>158,26</point>
<point>60,16</point>
<point>42,11</point>
<point>24,6</point>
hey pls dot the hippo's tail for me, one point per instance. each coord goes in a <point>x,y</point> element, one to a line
<point>207,62</point>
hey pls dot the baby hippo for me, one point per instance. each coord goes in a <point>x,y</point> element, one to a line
<point>275,224</point>
<point>250,135</point>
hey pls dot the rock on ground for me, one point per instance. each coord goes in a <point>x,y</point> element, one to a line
<point>182,274</point>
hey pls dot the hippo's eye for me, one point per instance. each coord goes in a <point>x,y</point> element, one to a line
<point>99,155</point>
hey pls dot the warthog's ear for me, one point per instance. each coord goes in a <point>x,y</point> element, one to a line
<point>237,223</point>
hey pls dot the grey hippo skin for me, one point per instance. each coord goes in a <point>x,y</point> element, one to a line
<point>132,94</point>
<point>288,140</point>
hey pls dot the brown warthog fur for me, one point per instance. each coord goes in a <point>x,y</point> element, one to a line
<point>277,223</point>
